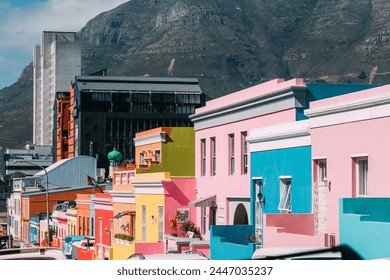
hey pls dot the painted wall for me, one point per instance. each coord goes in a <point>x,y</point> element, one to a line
<point>104,213</point>
<point>223,184</point>
<point>37,202</point>
<point>62,229</point>
<point>122,251</point>
<point>178,193</point>
<point>84,214</point>
<point>151,201</point>
<point>177,154</point>
<point>235,113</point>
<point>346,127</point>
<point>365,226</point>
<point>294,162</point>
<point>231,242</point>
<point>318,91</point>
<point>72,221</point>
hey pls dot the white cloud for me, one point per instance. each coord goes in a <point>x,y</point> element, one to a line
<point>21,27</point>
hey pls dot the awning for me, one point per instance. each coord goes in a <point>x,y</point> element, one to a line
<point>124,213</point>
<point>205,201</point>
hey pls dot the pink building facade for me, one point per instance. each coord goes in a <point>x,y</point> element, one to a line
<point>222,157</point>
<point>350,136</point>
<point>339,152</point>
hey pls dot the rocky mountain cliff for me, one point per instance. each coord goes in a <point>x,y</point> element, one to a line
<point>228,45</point>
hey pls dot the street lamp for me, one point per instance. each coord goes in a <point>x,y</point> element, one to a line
<point>47,198</point>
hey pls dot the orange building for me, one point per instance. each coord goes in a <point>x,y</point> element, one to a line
<point>34,203</point>
<point>62,125</point>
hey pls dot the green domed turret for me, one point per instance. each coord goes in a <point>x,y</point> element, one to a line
<point>114,155</point>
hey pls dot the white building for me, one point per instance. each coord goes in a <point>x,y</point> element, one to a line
<point>56,62</point>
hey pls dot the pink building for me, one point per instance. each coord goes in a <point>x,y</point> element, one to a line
<point>350,146</point>
<point>221,128</point>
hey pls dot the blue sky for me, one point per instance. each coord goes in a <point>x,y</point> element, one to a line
<point>23,21</point>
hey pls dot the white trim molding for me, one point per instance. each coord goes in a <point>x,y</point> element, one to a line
<point>286,135</point>
<point>262,104</point>
<point>159,137</point>
<point>149,187</point>
<point>355,110</point>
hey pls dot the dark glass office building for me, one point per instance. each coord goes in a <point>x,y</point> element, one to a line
<point>106,112</point>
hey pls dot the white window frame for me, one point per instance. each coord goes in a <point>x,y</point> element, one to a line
<point>142,158</point>
<point>244,153</point>
<point>322,170</point>
<point>213,143</point>
<point>285,201</point>
<point>258,182</point>
<point>361,173</point>
<point>100,230</point>
<point>157,155</point>
<point>160,223</point>
<point>231,154</point>
<point>203,157</point>
<point>143,223</point>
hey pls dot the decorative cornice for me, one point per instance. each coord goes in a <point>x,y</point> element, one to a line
<point>246,103</point>
<point>159,137</point>
<point>279,132</point>
<point>352,111</point>
<point>348,106</point>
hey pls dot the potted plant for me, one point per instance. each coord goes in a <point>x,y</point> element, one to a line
<point>125,238</point>
<point>187,226</point>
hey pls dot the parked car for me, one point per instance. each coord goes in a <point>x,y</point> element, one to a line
<point>342,252</point>
<point>186,255</point>
<point>32,253</point>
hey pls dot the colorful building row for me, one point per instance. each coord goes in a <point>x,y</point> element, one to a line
<point>281,163</point>
<point>148,204</point>
<point>301,170</point>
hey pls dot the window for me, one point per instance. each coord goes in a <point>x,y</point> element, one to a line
<point>143,223</point>
<point>320,175</point>
<point>285,195</point>
<point>160,223</point>
<point>142,158</point>
<point>203,157</point>
<point>231,154</point>
<point>157,155</point>
<point>100,230</point>
<point>92,227</point>
<point>213,157</point>
<point>321,170</point>
<point>259,210</point>
<point>244,153</point>
<point>361,173</point>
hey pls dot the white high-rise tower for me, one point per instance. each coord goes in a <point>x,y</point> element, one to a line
<point>56,62</point>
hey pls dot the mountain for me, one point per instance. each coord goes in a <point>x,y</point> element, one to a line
<point>228,45</point>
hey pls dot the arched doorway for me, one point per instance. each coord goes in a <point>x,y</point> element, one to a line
<point>240,215</point>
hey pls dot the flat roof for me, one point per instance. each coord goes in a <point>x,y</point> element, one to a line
<point>120,83</point>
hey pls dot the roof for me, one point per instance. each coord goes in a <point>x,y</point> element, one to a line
<point>169,84</point>
<point>205,201</point>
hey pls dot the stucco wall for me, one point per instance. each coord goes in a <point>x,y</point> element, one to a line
<point>365,226</point>
<point>294,162</point>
